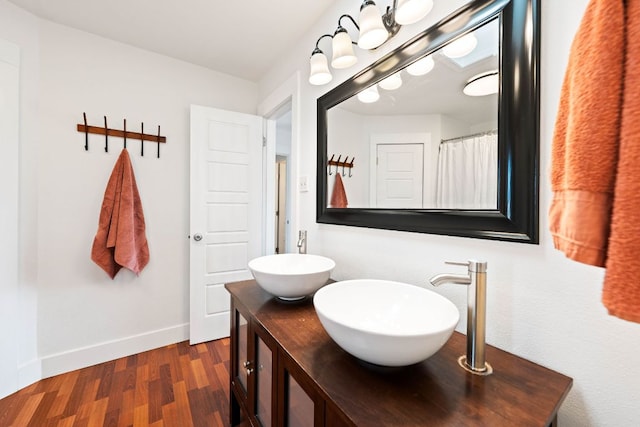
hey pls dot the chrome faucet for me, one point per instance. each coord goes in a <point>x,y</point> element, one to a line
<point>302,242</point>
<point>476,278</point>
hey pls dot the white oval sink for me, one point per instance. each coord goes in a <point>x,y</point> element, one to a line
<point>386,323</point>
<point>291,276</point>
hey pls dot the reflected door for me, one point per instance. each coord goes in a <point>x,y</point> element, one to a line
<point>399,176</point>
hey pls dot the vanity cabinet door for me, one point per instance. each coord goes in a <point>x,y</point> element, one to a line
<point>299,405</point>
<point>263,379</point>
<point>241,356</point>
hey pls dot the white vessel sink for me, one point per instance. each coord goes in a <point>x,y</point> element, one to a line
<point>291,276</point>
<point>386,323</point>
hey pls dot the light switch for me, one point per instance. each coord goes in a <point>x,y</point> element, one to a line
<point>303,184</point>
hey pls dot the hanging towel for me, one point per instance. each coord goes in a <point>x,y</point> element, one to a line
<point>586,136</point>
<point>120,240</point>
<point>621,294</point>
<point>338,196</point>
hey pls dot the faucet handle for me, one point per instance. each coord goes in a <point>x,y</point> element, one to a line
<point>472,265</point>
<point>463,264</point>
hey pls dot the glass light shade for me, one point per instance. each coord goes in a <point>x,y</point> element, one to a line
<point>421,66</point>
<point>393,82</point>
<point>483,84</point>
<point>319,73</point>
<point>369,95</point>
<point>343,55</point>
<point>461,47</point>
<point>411,11</point>
<point>372,30</point>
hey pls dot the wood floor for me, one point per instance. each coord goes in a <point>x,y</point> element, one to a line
<point>178,385</point>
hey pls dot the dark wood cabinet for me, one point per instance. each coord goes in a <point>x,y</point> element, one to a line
<point>254,361</point>
<point>286,371</point>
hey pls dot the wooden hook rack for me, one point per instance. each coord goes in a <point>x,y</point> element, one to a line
<point>103,130</point>
<point>340,163</point>
<point>98,130</point>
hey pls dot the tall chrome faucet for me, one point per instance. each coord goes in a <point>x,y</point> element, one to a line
<point>302,242</point>
<point>476,278</point>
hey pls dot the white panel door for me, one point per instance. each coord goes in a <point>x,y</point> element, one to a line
<point>399,176</point>
<point>226,213</point>
<point>9,102</point>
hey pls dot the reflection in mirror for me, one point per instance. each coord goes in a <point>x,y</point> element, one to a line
<point>422,141</point>
<point>433,101</point>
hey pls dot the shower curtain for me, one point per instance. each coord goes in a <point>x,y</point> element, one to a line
<point>468,173</point>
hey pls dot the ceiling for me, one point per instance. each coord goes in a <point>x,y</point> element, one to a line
<point>240,38</point>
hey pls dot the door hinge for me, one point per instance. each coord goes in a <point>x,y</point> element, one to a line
<point>264,141</point>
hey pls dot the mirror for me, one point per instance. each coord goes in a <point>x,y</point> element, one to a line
<point>425,156</point>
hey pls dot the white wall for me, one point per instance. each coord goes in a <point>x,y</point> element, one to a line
<point>9,201</point>
<point>79,306</point>
<point>77,315</point>
<point>541,306</point>
<point>20,28</point>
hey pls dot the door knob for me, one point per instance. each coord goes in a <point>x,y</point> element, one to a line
<point>197,237</point>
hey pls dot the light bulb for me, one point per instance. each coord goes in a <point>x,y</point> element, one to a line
<point>319,73</point>
<point>393,82</point>
<point>461,47</point>
<point>411,11</point>
<point>372,30</point>
<point>369,95</point>
<point>421,66</point>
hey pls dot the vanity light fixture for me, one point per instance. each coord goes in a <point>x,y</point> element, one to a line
<point>393,82</point>
<point>369,95</point>
<point>319,73</point>
<point>343,54</point>
<point>421,66</point>
<point>461,47</point>
<point>483,84</point>
<point>374,29</point>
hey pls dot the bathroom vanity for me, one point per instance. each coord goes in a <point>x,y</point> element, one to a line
<point>286,371</point>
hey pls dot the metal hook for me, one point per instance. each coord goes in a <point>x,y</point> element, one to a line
<point>351,166</point>
<point>338,163</point>
<point>142,139</point>
<point>343,165</point>
<point>158,141</point>
<point>86,133</point>
<point>106,135</point>
<point>329,164</point>
<point>125,133</point>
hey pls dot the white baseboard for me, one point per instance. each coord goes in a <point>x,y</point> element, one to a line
<point>29,373</point>
<point>87,356</point>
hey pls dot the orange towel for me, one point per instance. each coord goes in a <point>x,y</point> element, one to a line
<point>586,137</point>
<point>338,196</point>
<point>621,293</point>
<point>120,240</point>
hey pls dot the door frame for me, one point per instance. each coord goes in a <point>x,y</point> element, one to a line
<point>270,108</point>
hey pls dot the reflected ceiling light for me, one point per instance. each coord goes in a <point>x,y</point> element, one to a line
<point>483,84</point>
<point>461,47</point>
<point>421,67</point>
<point>369,95</point>
<point>319,73</point>
<point>374,29</point>
<point>393,82</point>
<point>411,11</point>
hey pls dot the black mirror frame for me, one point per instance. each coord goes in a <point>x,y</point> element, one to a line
<point>516,218</point>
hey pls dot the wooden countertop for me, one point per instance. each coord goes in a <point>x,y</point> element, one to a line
<point>436,392</point>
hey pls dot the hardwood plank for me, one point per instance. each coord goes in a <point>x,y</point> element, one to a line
<point>177,385</point>
<point>27,411</point>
